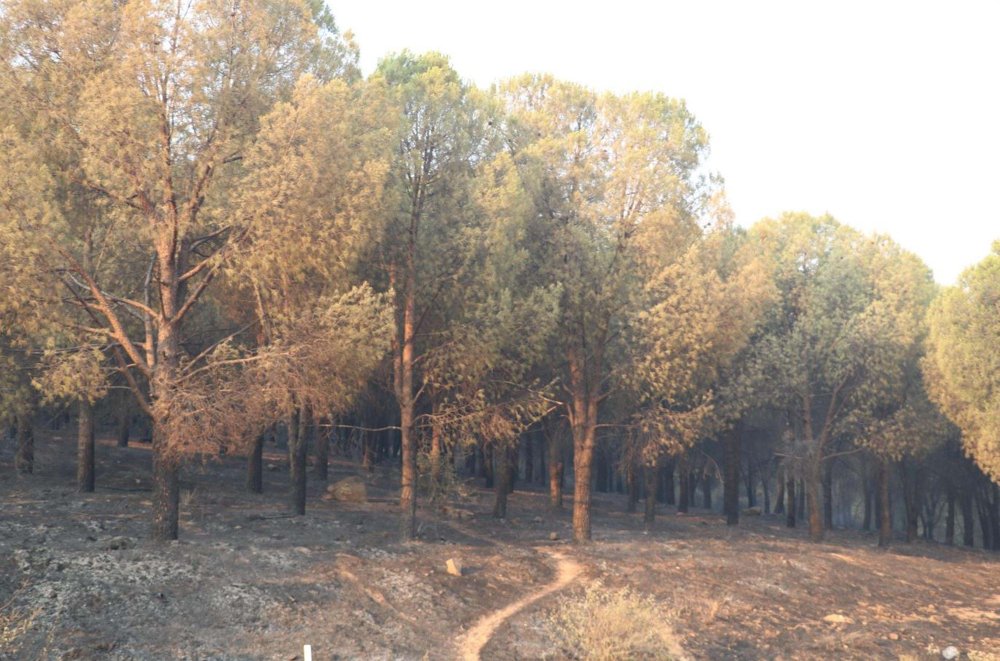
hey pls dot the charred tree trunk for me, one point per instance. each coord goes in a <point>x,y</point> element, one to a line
<point>504,472</point>
<point>85,473</point>
<point>779,500</point>
<point>24,460</point>
<point>297,449</point>
<point>124,426</point>
<point>866,489</point>
<point>949,525</point>
<point>731,477</point>
<point>321,471</point>
<point>684,477</point>
<point>766,488</point>
<point>968,519</point>
<point>749,483</point>
<point>255,466</point>
<point>649,515</point>
<point>489,464</point>
<point>528,443</point>
<point>910,499</point>
<point>166,490</point>
<point>828,494</point>
<point>632,485</point>
<point>885,506</point>
<point>368,444</point>
<point>669,490</point>
<point>792,502</point>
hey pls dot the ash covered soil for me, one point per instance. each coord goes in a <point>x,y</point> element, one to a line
<point>80,580</point>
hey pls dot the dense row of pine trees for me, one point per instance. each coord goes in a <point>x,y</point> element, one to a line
<point>210,220</point>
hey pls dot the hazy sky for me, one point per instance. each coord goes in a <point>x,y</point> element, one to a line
<point>884,114</point>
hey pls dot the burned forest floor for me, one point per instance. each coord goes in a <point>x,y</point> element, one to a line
<point>79,578</point>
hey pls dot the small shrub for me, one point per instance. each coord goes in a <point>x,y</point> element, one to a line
<point>603,625</point>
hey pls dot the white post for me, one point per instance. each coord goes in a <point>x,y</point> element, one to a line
<point>307,653</point>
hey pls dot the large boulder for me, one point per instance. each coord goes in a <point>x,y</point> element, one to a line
<point>348,490</point>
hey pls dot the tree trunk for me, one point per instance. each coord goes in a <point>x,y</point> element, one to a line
<point>166,490</point>
<point>297,452</point>
<point>24,460</point>
<point>910,500</point>
<point>555,471</point>
<point>321,471</point>
<point>489,466</point>
<point>528,443</point>
<point>124,419</point>
<point>949,526</point>
<point>866,489</point>
<point>749,480</point>
<point>669,491</point>
<point>255,466</point>
<point>791,505</point>
<point>968,519</point>
<point>779,500</point>
<point>632,486</point>
<point>85,474</point>
<point>404,364</point>
<point>502,481</point>
<point>582,462</point>
<point>706,491</point>
<point>731,477</point>
<point>828,494</point>
<point>436,454</point>
<point>765,479</point>
<point>995,517</point>
<point>885,511</point>
<point>651,474</point>
<point>684,477</point>
<point>814,495</point>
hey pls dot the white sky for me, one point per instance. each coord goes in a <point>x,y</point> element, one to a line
<point>884,114</point>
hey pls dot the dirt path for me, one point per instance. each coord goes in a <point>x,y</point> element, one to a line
<point>470,644</point>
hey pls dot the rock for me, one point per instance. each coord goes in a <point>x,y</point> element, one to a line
<point>537,519</point>
<point>893,636</point>
<point>752,511</point>
<point>348,490</point>
<point>553,536</point>
<point>837,618</point>
<point>119,543</point>
<point>454,566</point>
<point>950,652</point>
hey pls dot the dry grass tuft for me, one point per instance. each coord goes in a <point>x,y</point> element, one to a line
<point>604,624</point>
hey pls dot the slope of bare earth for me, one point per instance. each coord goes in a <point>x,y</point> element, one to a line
<point>79,580</point>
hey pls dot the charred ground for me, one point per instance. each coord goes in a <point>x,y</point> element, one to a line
<point>79,579</point>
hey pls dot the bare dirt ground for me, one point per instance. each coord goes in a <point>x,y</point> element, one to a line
<point>79,580</point>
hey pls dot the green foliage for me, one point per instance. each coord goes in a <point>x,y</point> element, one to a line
<point>962,366</point>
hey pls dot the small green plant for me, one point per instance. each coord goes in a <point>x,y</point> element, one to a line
<point>604,625</point>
